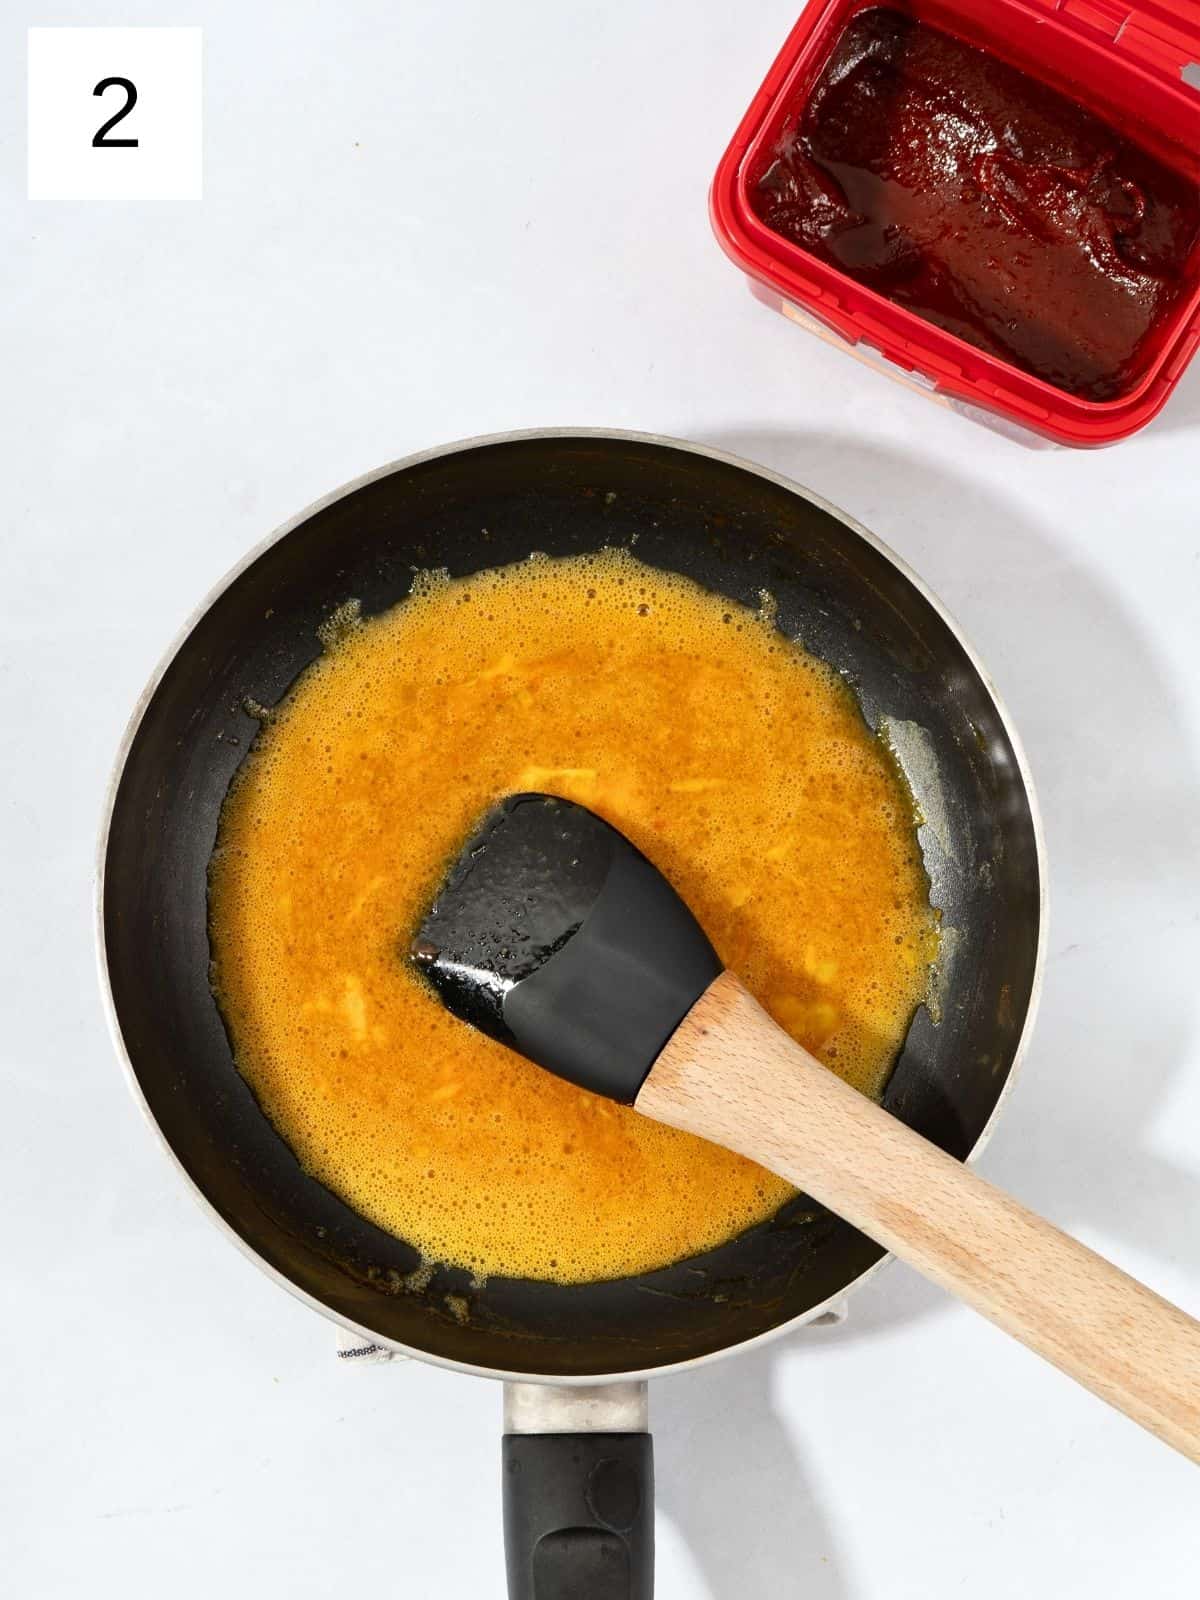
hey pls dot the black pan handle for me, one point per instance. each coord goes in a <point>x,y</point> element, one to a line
<point>579,1506</point>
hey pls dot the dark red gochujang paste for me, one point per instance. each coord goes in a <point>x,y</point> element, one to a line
<point>985,202</point>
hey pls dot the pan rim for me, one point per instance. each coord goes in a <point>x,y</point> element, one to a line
<point>195,616</point>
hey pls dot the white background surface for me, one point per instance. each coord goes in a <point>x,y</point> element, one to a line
<point>423,222</point>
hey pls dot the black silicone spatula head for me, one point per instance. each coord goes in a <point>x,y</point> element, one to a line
<point>555,935</point>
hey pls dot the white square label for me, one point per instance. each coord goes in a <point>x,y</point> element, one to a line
<point>115,113</point>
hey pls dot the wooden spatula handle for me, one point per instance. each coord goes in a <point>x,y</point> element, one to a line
<point>734,1077</point>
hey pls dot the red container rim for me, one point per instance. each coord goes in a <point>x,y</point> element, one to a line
<point>856,313</point>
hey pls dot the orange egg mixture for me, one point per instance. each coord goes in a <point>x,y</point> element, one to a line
<point>738,763</point>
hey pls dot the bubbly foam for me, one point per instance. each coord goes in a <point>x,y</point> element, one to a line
<point>737,762</point>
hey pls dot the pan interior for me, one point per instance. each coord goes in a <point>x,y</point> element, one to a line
<point>483,506</point>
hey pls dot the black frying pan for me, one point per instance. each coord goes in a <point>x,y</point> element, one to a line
<point>736,530</point>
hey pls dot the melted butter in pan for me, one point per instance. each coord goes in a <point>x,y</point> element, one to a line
<point>739,764</point>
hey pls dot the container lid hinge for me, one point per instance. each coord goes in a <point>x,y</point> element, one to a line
<point>1164,34</point>
<point>1099,16</point>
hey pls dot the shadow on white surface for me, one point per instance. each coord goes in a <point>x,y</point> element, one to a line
<point>1182,411</point>
<point>730,1475</point>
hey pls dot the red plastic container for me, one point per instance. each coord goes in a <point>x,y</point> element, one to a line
<point>1138,67</point>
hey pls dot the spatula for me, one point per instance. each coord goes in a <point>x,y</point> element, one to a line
<point>556,936</point>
